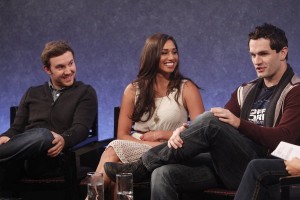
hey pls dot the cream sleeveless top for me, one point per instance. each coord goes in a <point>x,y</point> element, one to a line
<point>171,115</point>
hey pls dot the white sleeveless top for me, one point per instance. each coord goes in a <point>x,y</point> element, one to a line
<point>170,113</point>
<point>171,116</point>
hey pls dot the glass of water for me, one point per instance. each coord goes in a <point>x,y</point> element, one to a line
<point>124,186</point>
<point>95,187</point>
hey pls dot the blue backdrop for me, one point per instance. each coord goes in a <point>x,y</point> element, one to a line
<point>108,35</point>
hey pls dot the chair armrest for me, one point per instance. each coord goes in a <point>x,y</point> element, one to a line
<point>289,180</point>
<point>74,158</point>
<point>91,149</point>
<point>85,149</point>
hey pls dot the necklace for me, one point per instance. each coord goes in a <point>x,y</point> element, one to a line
<point>156,118</point>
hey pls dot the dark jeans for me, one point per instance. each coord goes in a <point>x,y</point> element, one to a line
<point>261,180</point>
<point>27,152</point>
<point>168,181</point>
<point>230,150</point>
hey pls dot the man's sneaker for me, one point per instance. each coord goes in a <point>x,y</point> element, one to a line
<point>138,170</point>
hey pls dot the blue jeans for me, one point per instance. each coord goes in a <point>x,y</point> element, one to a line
<point>29,144</point>
<point>168,181</point>
<point>261,179</point>
<point>32,146</point>
<point>230,151</point>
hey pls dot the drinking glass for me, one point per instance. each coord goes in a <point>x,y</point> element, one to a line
<point>124,186</point>
<point>95,187</point>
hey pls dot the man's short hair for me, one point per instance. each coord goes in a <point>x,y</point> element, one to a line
<point>54,49</point>
<point>276,36</point>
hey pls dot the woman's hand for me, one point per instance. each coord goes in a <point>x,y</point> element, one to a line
<point>151,136</point>
<point>293,166</point>
<point>4,139</point>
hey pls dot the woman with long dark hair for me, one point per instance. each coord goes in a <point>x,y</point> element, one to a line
<point>157,102</point>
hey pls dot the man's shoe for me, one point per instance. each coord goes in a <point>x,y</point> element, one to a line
<point>138,170</point>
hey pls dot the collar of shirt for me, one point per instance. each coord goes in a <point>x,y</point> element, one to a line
<point>55,93</point>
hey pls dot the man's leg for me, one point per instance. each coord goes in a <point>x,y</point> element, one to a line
<point>261,179</point>
<point>9,173</point>
<point>30,144</point>
<point>170,180</point>
<point>45,166</point>
<point>230,151</point>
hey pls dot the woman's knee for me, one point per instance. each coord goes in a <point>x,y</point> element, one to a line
<point>257,167</point>
<point>254,163</point>
<point>109,153</point>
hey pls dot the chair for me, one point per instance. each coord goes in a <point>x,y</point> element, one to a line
<point>289,184</point>
<point>141,191</point>
<point>78,161</point>
<point>218,193</point>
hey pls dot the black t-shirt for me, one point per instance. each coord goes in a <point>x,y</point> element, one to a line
<point>258,110</point>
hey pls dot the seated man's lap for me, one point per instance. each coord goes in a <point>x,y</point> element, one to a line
<point>185,178</point>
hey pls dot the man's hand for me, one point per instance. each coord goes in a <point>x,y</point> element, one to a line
<point>175,141</point>
<point>4,139</point>
<point>292,166</point>
<point>226,116</point>
<point>59,144</point>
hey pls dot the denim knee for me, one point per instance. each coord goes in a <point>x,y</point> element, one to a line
<point>206,119</point>
<point>41,133</point>
<point>161,174</point>
<point>39,137</point>
<point>256,166</point>
<point>32,143</point>
<point>253,163</point>
<point>162,185</point>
